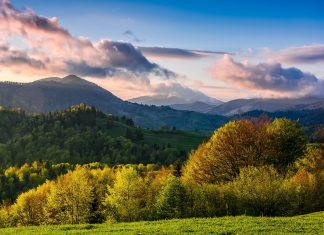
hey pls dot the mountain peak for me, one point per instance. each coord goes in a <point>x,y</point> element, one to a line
<point>72,77</point>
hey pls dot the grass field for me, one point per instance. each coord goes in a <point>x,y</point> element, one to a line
<point>305,224</point>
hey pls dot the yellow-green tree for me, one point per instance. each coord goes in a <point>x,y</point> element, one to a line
<point>260,191</point>
<point>125,198</point>
<point>29,207</point>
<point>287,143</point>
<point>70,199</point>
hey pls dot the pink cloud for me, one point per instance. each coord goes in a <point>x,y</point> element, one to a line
<point>271,78</point>
<point>304,55</point>
<point>52,46</point>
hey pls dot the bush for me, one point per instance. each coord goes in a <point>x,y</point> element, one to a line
<point>260,191</point>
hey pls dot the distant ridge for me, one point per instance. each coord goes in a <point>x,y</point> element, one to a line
<point>168,100</point>
<point>195,106</point>
<point>240,106</point>
<point>53,93</point>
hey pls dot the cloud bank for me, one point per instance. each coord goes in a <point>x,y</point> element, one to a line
<point>49,48</point>
<point>305,54</point>
<point>176,53</point>
<point>269,77</point>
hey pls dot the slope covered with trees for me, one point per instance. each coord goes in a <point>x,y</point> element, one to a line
<point>286,178</point>
<point>81,134</point>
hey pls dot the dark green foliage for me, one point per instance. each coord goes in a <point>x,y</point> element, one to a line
<point>81,134</point>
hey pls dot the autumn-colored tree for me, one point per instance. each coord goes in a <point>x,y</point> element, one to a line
<point>245,143</point>
<point>309,180</point>
<point>235,145</point>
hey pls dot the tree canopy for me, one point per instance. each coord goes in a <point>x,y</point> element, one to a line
<point>245,143</point>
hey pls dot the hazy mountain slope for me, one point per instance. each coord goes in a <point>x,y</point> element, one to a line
<point>200,107</point>
<point>160,100</point>
<point>270,105</point>
<point>51,94</point>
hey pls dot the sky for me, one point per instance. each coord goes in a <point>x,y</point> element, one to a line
<point>223,49</point>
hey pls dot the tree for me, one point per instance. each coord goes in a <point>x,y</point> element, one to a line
<point>235,145</point>
<point>171,200</point>
<point>318,135</point>
<point>260,191</point>
<point>29,207</point>
<point>245,143</point>
<point>124,198</point>
<point>70,198</point>
<point>288,143</point>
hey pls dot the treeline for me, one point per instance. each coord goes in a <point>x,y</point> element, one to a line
<point>256,167</point>
<point>15,180</point>
<point>78,135</point>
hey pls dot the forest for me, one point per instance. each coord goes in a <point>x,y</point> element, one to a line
<point>73,167</point>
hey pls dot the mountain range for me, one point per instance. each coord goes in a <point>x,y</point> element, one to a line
<point>52,94</point>
<point>233,107</point>
<point>240,106</point>
<point>169,100</point>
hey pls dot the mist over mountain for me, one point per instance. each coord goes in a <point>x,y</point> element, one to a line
<point>169,100</point>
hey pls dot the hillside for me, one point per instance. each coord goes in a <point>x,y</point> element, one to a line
<point>82,134</point>
<point>53,94</point>
<point>305,224</point>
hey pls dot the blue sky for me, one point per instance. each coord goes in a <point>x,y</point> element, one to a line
<point>249,30</point>
<point>212,25</point>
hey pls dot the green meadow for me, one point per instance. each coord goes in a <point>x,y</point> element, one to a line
<point>303,224</point>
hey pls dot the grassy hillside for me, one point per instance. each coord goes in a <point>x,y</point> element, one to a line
<point>305,224</point>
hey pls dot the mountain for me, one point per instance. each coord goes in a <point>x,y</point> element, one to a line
<point>269,105</point>
<point>166,100</point>
<point>52,94</point>
<point>310,119</point>
<point>317,105</point>
<point>197,106</point>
